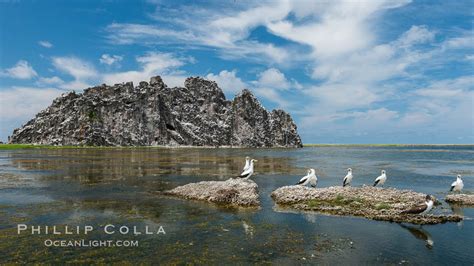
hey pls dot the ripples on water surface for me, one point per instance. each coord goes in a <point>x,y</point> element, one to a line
<point>121,186</point>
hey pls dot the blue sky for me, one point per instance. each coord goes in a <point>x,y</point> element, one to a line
<point>347,71</point>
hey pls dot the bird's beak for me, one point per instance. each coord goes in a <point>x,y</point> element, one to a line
<point>255,160</point>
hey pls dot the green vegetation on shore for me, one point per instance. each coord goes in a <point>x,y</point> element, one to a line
<point>33,146</point>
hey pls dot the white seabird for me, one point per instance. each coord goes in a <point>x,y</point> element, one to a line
<point>247,163</point>
<point>310,178</point>
<point>348,179</point>
<point>380,180</point>
<point>246,174</point>
<point>457,185</point>
<point>422,208</point>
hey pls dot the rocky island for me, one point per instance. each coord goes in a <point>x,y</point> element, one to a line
<point>153,114</point>
<point>460,199</point>
<point>237,192</point>
<point>384,204</point>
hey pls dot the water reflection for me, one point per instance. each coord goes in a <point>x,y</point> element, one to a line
<point>458,210</point>
<point>99,165</point>
<point>248,228</point>
<point>99,186</point>
<point>419,233</point>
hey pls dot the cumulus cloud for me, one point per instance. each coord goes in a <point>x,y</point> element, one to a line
<point>84,73</point>
<point>19,104</point>
<point>329,28</point>
<point>45,44</point>
<point>51,81</point>
<point>416,35</point>
<point>75,67</point>
<point>228,81</point>
<point>273,78</point>
<point>152,64</point>
<point>108,59</point>
<point>268,84</point>
<point>21,70</point>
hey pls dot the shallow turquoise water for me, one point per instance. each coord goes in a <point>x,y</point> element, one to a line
<point>121,186</point>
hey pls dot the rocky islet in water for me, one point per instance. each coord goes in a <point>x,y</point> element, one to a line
<point>385,204</point>
<point>150,114</point>
<point>460,199</point>
<point>238,192</point>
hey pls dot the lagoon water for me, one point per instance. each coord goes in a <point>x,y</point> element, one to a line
<point>121,186</point>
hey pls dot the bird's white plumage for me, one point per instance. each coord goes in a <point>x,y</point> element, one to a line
<point>429,206</point>
<point>310,178</point>
<point>380,180</point>
<point>348,178</point>
<point>304,179</point>
<point>246,174</point>
<point>247,163</point>
<point>457,185</point>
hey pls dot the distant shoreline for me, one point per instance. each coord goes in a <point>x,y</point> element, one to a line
<point>39,146</point>
<point>381,145</point>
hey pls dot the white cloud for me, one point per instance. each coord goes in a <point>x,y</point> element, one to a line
<point>228,81</point>
<point>75,67</point>
<point>151,64</point>
<point>45,44</point>
<point>343,96</point>
<point>359,80</point>
<point>367,117</point>
<point>149,34</point>
<point>331,28</point>
<point>416,35</point>
<point>174,80</point>
<point>269,84</point>
<point>469,57</point>
<point>273,78</point>
<point>461,42</point>
<point>110,59</point>
<point>443,107</point>
<point>22,70</point>
<point>84,73</point>
<point>55,80</point>
<point>272,85</point>
<point>447,88</point>
<point>23,103</point>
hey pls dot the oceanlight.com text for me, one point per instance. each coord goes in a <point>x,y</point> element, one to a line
<point>90,243</point>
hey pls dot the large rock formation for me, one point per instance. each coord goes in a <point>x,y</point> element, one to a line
<point>153,114</point>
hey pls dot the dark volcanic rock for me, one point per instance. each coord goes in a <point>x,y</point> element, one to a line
<point>153,114</point>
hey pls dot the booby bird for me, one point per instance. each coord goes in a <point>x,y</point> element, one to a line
<point>310,178</point>
<point>457,185</point>
<point>380,180</point>
<point>421,234</point>
<point>348,179</point>
<point>246,174</point>
<point>422,208</point>
<point>247,163</point>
